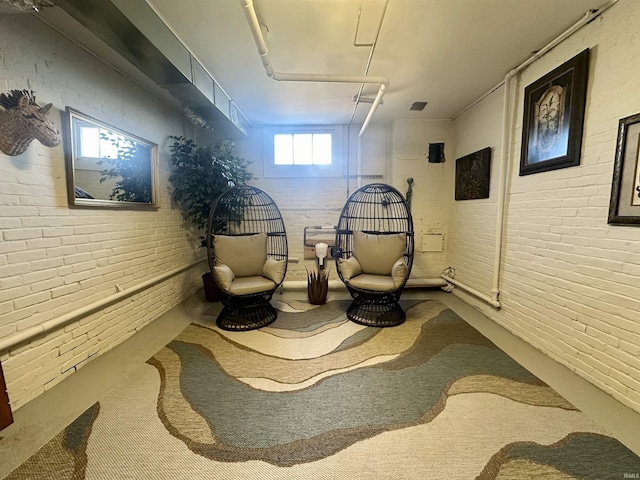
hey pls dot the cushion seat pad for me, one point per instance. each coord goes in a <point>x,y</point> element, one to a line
<point>376,283</point>
<point>250,285</point>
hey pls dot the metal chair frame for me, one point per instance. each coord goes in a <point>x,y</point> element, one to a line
<point>378,209</point>
<point>240,211</point>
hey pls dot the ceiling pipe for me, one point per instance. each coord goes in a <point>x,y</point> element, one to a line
<point>371,51</point>
<point>258,38</point>
<point>374,107</point>
<point>588,17</point>
<point>365,124</point>
<point>504,151</point>
<point>375,103</point>
<point>263,50</point>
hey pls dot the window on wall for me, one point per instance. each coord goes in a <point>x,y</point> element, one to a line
<point>302,152</point>
<point>96,143</point>
<point>302,149</point>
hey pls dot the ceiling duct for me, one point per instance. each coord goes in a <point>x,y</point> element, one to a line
<point>136,33</point>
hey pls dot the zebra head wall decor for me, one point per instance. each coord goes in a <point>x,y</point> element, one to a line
<point>22,120</point>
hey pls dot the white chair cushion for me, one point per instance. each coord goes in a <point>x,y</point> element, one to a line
<point>378,253</point>
<point>250,285</point>
<point>376,283</point>
<point>274,269</point>
<point>399,272</point>
<point>349,268</point>
<point>244,255</point>
<point>223,276</point>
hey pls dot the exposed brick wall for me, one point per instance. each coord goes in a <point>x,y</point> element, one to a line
<point>306,202</point>
<point>472,225</point>
<point>431,185</point>
<point>392,153</point>
<point>570,283</point>
<point>53,259</point>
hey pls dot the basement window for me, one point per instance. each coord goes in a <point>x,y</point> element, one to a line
<point>96,143</point>
<point>303,152</point>
<point>302,149</point>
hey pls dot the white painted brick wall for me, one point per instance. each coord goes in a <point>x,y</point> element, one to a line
<point>54,260</point>
<point>431,185</point>
<point>472,223</point>
<point>306,202</point>
<point>570,283</point>
<point>395,153</point>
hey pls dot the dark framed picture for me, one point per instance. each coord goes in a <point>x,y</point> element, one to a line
<point>624,208</point>
<point>553,117</point>
<point>473,175</point>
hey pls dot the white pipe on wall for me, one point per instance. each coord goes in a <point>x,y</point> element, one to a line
<point>504,155</point>
<point>301,285</point>
<point>59,322</point>
<point>502,188</point>
<point>588,17</point>
<point>472,291</point>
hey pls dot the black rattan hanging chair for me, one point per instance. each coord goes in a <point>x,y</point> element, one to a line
<point>247,250</point>
<point>374,253</point>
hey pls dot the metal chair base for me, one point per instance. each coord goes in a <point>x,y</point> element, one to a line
<point>240,317</point>
<point>376,313</point>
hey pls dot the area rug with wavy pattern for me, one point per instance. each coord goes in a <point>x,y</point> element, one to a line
<point>315,396</point>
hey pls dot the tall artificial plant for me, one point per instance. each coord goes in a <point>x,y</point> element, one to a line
<point>202,174</point>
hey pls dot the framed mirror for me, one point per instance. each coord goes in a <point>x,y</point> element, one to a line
<point>107,167</point>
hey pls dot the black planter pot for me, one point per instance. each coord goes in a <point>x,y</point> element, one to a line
<point>211,291</point>
<point>317,288</point>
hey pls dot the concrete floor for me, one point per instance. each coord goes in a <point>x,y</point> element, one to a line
<point>40,420</point>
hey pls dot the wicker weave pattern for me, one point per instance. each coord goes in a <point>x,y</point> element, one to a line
<point>382,210</point>
<point>22,120</point>
<point>247,210</point>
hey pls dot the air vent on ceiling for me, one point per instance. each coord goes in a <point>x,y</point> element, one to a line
<point>418,106</point>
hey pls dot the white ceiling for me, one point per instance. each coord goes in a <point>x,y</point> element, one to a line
<point>445,52</point>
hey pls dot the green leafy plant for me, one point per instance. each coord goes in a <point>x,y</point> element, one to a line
<point>202,174</point>
<point>132,170</point>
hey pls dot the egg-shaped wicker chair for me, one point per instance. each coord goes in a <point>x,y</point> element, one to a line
<point>247,252</point>
<point>374,253</point>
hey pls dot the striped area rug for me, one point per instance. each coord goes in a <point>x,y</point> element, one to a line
<point>314,396</point>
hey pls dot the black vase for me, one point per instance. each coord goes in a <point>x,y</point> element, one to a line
<point>211,291</point>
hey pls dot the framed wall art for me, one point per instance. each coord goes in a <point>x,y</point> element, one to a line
<point>624,208</point>
<point>553,117</point>
<point>473,175</point>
